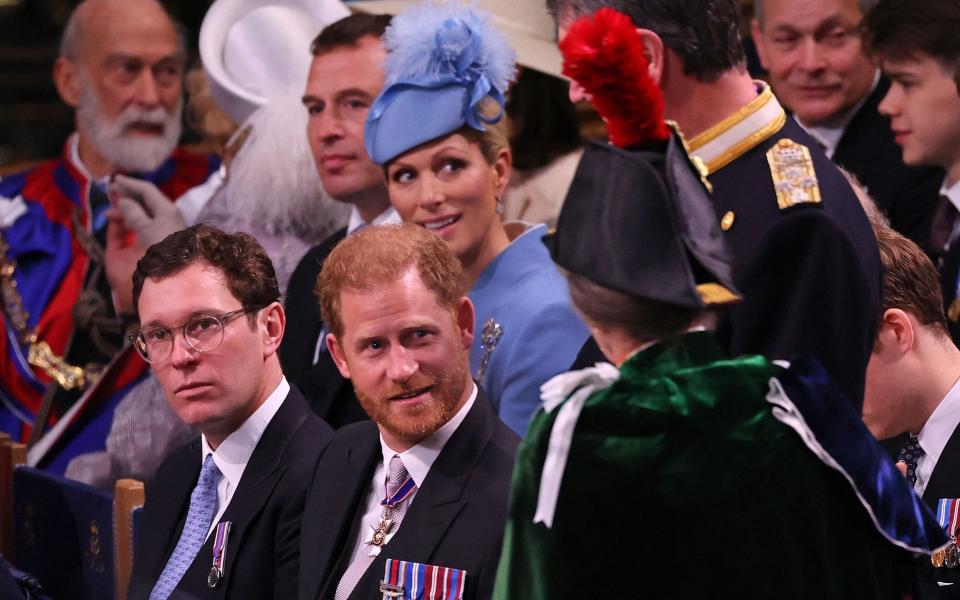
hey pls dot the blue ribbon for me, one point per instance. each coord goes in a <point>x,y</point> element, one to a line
<point>457,52</point>
<point>401,494</point>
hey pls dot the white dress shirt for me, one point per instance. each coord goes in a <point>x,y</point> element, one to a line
<point>233,454</point>
<point>417,461</point>
<point>951,191</point>
<point>387,217</point>
<point>935,434</point>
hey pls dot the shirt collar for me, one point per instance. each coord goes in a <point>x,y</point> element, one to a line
<point>387,217</point>
<point>735,135</point>
<point>421,457</point>
<point>233,454</point>
<point>952,192</point>
<point>830,135</point>
<point>73,152</point>
<point>940,426</point>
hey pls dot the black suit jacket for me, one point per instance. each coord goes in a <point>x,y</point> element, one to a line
<point>456,519</point>
<point>329,395</point>
<point>266,511</point>
<point>908,195</point>
<point>810,275</point>
<point>944,483</point>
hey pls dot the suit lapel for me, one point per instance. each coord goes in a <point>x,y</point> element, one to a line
<point>863,137</point>
<point>346,490</point>
<point>263,471</point>
<point>438,502</point>
<point>944,481</point>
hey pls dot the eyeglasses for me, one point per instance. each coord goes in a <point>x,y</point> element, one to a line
<point>204,333</point>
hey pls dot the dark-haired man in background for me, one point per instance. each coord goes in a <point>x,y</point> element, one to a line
<point>917,48</point>
<point>805,257</point>
<point>812,51</point>
<point>346,75</point>
<point>912,396</point>
<point>222,517</point>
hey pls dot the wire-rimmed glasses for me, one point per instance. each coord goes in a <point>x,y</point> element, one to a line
<point>204,333</point>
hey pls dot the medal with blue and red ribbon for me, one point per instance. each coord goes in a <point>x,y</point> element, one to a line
<point>219,554</point>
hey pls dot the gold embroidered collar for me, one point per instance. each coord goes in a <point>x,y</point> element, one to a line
<point>735,135</point>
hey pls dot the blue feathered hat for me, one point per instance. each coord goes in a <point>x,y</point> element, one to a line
<point>442,61</point>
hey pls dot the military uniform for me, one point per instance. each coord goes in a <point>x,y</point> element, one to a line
<point>805,257</point>
<point>681,483</point>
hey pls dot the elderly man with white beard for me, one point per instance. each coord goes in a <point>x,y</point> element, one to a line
<point>65,257</point>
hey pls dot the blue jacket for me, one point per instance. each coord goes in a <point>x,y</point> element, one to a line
<point>522,291</point>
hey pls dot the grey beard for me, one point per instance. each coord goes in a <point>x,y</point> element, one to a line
<point>131,153</point>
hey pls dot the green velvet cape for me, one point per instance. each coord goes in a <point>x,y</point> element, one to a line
<point>680,483</point>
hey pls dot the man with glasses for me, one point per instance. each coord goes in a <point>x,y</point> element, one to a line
<point>222,517</point>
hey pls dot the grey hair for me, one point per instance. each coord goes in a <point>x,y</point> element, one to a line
<point>72,38</point>
<point>865,7</point>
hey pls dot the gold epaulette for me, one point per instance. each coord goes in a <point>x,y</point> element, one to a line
<point>794,177</point>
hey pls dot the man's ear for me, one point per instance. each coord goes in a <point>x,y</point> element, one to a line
<point>274,322</point>
<point>336,353</point>
<point>897,334</point>
<point>466,322</point>
<point>756,33</point>
<point>654,52</point>
<point>66,77</point>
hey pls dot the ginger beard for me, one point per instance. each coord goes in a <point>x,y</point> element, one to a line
<point>114,140</point>
<point>413,423</point>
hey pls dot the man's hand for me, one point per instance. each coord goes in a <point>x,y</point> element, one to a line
<point>120,259</point>
<point>146,210</point>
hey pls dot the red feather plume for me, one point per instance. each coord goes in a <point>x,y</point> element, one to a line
<point>604,54</point>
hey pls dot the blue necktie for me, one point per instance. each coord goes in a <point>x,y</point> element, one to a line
<point>99,199</point>
<point>203,505</point>
<point>909,455</point>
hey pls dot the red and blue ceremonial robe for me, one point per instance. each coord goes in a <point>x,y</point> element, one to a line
<point>37,222</point>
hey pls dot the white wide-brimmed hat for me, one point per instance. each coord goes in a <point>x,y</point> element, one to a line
<point>253,50</point>
<point>526,23</point>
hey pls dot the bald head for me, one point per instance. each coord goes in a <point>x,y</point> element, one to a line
<point>121,67</point>
<point>93,18</point>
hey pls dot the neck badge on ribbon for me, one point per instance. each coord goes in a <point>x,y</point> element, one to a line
<point>389,503</point>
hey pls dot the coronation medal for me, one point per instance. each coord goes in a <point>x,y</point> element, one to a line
<point>219,554</point>
<point>948,515</point>
<point>953,553</point>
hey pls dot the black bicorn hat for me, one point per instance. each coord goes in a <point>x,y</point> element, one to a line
<point>641,222</point>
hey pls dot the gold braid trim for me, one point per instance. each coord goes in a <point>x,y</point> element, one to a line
<point>40,354</point>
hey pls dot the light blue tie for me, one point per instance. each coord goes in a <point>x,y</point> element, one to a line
<point>203,505</point>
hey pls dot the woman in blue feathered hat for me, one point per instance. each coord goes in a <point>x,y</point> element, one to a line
<point>439,130</point>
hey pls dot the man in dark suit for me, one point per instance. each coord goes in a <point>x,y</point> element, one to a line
<point>918,50</point>
<point>913,388</point>
<point>804,256</point>
<point>423,488</point>
<point>819,70</point>
<point>345,77</point>
<point>222,517</point>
